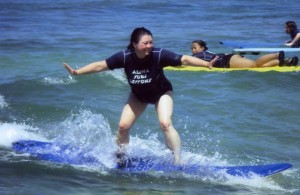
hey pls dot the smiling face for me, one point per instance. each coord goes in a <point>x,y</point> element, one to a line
<point>144,46</point>
<point>196,48</point>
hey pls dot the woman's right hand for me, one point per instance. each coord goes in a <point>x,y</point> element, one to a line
<point>211,63</point>
<point>71,70</point>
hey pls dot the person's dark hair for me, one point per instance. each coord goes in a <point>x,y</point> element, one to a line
<point>136,36</point>
<point>291,25</point>
<point>201,43</point>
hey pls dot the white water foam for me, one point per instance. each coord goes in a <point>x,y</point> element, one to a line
<point>118,74</point>
<point>86,129</point>
<point>12,132</point>
<point>59,81</point>
<point>3,104</point>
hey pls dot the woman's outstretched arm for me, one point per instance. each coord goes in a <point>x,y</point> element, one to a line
<point>193,61</point>
<point>90,68</point>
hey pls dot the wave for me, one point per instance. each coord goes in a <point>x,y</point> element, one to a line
<point>91,132</point>
<point>11,132</point>
<point>3,104</point>
<point>59,80</point>
<point>117,74</point>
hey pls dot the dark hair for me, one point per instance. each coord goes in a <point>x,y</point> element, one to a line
<point>201,43</point>
<point>291,25</point>
<point>136,36</point>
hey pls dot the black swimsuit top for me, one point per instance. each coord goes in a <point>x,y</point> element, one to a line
<point>293,35</point>
<point>145,76</point>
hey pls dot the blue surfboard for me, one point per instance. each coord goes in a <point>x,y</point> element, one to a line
<point>68,154</point>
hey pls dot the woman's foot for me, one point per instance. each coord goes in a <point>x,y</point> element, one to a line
<point>121,159</point>
<point>293,61</point>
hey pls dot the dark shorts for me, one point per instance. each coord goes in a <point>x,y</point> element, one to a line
<point>224,62</point>
<point>296,45</point>
<point>153,97</point>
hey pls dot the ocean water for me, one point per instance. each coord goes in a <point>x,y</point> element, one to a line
<point>232,118</point>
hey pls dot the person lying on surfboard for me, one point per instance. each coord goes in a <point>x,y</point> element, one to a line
<point>143,65</point>
<point>291,28</point>
<point>200,50</point>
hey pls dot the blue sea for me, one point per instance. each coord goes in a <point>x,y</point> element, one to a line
<point>223,118</point>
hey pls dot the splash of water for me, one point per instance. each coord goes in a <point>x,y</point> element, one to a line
<point>59,81</point>
<point>12,132</point>
<point>3,104</point>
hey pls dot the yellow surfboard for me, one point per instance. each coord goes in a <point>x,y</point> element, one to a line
<point>265,69</point>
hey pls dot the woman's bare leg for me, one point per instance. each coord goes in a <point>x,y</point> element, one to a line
<point>271,63</point>
<point>131,111</point>
<point>164,109</point>
<point>267,60</point>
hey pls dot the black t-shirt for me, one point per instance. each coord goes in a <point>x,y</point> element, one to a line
<point>293,35</point>
<point>222,62</point>
<point>145,76</point>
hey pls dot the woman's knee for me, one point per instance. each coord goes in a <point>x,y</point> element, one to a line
<point>124,127</point>
<point>165,124</point>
